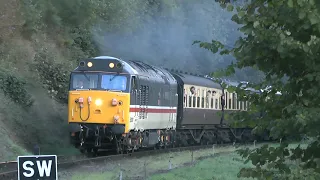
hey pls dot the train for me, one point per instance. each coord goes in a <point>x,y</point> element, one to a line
<point>127,105</point>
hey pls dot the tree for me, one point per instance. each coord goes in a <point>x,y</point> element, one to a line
<point>281,39</point>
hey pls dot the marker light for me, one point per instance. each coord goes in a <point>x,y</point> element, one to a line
<point>81,63</point>
<point>114,102</point>
<point>89,64</point>
<point>119,65</point>
<point>111,65</point>
<point>98,102</point>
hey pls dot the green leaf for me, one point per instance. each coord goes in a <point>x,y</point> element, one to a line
<point>231,89</point>
<point>290,3</point>
<point>230,7</point>
<point>246,29</point>
<point>196,42</point>
<point>302,14</point>
<point>256,24</point>
<point>224,52</point>
<point>314,19</point>
<point>241,14</point>
<point>312,3</point>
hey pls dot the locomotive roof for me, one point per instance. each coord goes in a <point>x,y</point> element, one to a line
<point>101,63</point>
<point>152,72</point>
<point>197,80</point>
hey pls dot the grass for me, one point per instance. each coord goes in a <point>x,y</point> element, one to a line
<point>104,175</point>
<point>223,166</point>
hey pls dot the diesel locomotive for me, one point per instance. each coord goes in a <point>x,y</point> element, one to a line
<point>128,105</point>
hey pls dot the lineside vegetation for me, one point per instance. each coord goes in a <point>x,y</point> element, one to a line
<point>282,40</point>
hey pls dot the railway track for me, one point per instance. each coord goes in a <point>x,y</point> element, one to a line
<point>8,170</point>
<point>8,167</point>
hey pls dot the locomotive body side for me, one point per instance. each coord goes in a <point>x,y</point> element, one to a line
<point>153,106</point>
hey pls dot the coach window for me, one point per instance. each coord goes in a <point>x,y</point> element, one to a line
<point>203,97</point>
<point>212,101</point>
<point>198,98</point>
<point>235,101</point>
<point>192,96</point>
<point>184,98</point>
<point>208,94</point>
<point>226,100</point>
<point>245,105</point>
<point>220,105</point>
<point>192,91</point>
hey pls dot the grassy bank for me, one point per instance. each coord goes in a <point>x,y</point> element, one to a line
<point>225,166</point>
<point>220,162</point>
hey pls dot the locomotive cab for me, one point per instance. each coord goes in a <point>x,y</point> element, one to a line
<point>99,100</point>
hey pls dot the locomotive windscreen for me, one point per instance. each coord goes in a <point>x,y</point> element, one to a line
<point>84,81</point>
<point>99,81</point>
<point>114,82</point>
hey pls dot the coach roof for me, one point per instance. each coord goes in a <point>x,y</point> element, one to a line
<point>197,80</point>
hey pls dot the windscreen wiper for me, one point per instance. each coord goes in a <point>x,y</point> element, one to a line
<point>114,76</point>
<point>85,75</point>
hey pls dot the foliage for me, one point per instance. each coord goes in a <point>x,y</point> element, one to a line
<point>14,88</point>
<point>53,75</point>
<point>281,39</point>
<point>70,25</point>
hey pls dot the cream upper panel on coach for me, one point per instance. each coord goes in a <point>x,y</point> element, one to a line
<point>201,97</point>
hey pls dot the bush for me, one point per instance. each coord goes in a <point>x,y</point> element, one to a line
<point>14,88</point>
<point>54,76</point>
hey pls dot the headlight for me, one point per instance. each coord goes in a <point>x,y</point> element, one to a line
<point>98,102</point>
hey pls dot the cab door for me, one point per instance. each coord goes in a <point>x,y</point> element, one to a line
<point>134,104</point>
